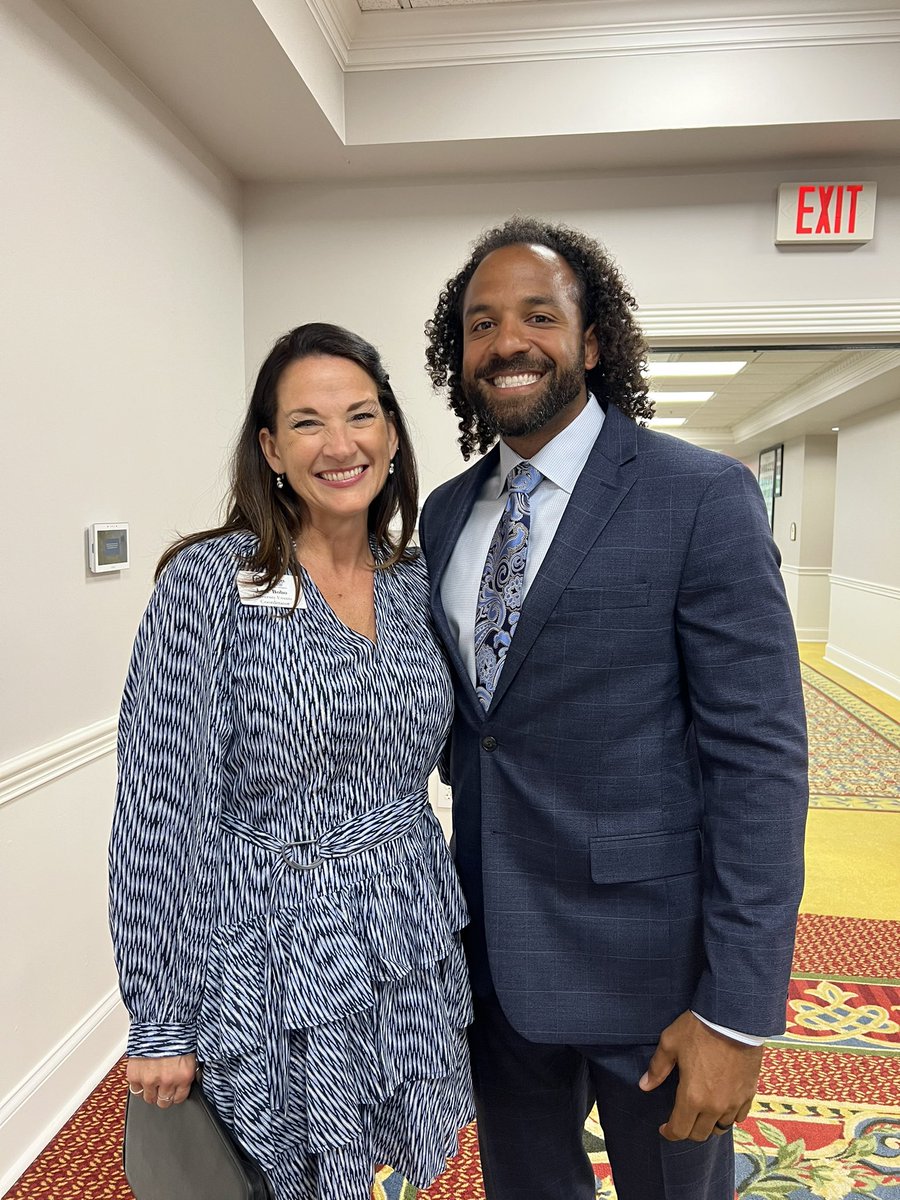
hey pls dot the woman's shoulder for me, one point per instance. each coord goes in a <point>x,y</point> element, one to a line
<point>409,581</point>
<point>411,569</point>
<point>209,563</point>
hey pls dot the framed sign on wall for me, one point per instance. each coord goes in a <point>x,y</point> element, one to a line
<point>769,478</point>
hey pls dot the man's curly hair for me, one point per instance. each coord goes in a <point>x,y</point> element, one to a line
<point>605,304</point>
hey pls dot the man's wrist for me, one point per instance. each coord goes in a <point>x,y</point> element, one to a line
<point>747,1039</point>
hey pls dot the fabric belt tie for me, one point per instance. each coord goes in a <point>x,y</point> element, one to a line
<point>374,828</point>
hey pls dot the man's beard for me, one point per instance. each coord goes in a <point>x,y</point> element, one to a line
<point>560,388</point>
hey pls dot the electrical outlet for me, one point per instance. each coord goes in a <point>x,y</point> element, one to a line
<point>440,794</point>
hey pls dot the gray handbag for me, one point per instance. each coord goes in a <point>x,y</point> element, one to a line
<point>185,1152</point>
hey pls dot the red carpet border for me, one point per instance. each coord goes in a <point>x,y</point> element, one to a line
<point>825,1125</point>
<point>826,1122</point>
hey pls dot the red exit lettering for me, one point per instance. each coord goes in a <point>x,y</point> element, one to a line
<point>828,203</point>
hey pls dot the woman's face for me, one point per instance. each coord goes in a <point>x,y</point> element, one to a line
<point>332,438</point>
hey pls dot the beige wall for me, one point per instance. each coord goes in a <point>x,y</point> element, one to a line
<point>131,292</point>
<point>787,511</point>
<point>864,635</point>
<point>817,527</point>
<point>123,368</point>
<point>789,505</point>
<point>807,503</point>
<point>121,378</point>
<point>375,257</point>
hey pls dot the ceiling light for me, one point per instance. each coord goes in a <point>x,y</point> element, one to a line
<point>680,397</point>
<point>835,429</point>
<point>670,421</point>
<point>678,370</point>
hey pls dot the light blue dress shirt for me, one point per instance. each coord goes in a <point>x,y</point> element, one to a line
<point>561,462</point>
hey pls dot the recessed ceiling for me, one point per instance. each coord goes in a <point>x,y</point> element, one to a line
<point>779,393</point>
<point>383,5</point>
<point>346,90</point>
<point>767,377</point>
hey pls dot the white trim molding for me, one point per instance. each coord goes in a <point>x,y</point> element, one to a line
<point>849,372</point>
<point>337,19</point>
<point>845,623</point>
<point>866,671</point>
<point>864,585</point>
<point>804,572</point>
<point>417,35</point>
<point>45,763</point>
<point>865,322</point>
<point>36,1110</point>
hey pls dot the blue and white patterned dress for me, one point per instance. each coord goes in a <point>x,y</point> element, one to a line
<point>282,898</point>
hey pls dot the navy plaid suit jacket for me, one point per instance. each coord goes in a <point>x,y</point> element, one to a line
<point>629,813</point>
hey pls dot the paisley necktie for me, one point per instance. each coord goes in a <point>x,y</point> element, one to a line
<point>500,595</point>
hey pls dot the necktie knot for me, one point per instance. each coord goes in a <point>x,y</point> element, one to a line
<point>523,478</point>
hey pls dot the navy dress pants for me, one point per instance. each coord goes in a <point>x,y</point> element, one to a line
<point>532,1100</point>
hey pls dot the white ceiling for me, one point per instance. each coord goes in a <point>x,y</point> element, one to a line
<point>345,90</point>
<point>353,90</point>
<point>383,5</point>
<point>779,394</point>
<point>768,376</point>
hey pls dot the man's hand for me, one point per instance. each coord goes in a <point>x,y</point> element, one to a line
<point>717,1078</point>
<point>163,1081</point>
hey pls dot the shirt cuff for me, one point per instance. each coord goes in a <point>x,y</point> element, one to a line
<point>148,1039</point>
<point>749,1039</point>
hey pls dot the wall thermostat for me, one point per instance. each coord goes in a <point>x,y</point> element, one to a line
<point>108,548</point>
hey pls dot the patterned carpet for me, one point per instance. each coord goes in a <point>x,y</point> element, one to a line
<point>826,1122</point>
<point>854,749</point>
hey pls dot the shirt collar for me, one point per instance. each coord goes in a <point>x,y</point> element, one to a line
<point>562,459</point>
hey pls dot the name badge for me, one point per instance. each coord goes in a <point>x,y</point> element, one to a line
<point>250,591</point>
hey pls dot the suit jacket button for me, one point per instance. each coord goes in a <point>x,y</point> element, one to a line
<point>489,743</point>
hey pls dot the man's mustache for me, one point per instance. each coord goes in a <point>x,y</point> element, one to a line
<point>521,364</point>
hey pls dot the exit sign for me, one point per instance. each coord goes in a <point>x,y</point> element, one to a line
<point>825,212</point>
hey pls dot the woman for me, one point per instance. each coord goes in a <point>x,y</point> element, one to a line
<point>283,905</point>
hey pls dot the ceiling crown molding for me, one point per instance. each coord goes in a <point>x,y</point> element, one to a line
<point>459,35</point>
<point>850,372</point>
<point>863,322</point>
<point>337,20</point>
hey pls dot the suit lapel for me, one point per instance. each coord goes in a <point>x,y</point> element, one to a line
<point>608,475</point>
<point>456,507</point>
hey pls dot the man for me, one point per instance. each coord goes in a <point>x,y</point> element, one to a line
<point>628,757</point>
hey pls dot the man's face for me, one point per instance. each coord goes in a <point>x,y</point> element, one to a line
<point>524,350</point>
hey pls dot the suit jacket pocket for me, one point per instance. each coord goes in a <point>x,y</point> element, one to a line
<point>638,857</point>
<point>595,599</point>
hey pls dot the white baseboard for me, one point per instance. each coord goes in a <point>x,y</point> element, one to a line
<point>34,1112</point>
<point>812,635</point>
<point>863,670</point>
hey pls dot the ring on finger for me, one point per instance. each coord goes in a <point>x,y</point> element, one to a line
<point>719,1125</point>
<point>135,1091</point>
<point>165,1099</point>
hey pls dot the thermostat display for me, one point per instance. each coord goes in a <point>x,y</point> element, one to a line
<point>108,548</point>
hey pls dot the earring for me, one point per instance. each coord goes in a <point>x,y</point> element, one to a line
<point>391,468</point>
<point>279,481</point>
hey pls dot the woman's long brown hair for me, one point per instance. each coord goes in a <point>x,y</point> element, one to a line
<point>277,515</point>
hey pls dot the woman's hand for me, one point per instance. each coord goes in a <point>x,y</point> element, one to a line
<point>163,1081</point>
